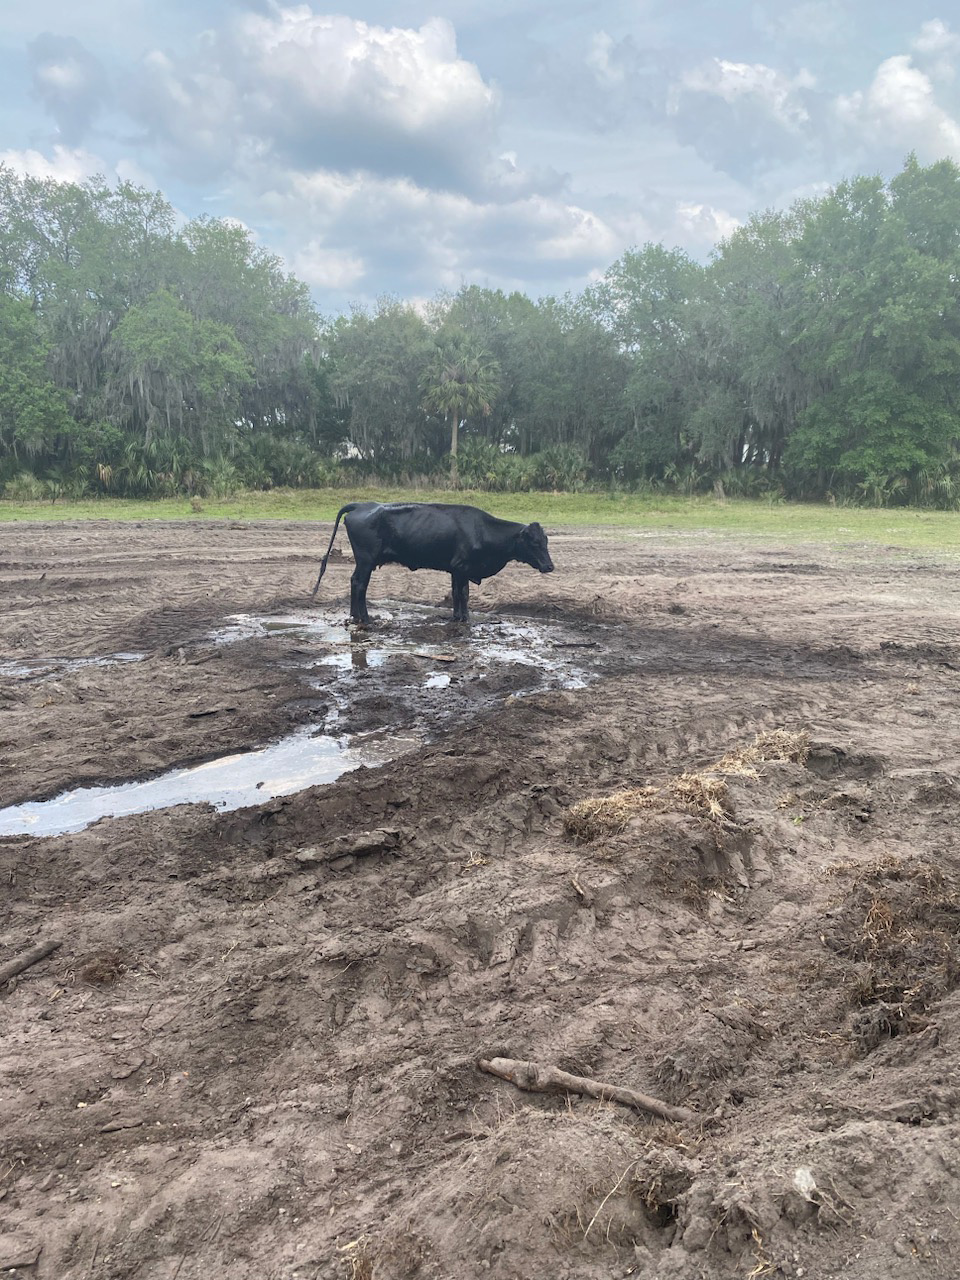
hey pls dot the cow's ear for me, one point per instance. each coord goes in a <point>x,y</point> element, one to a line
<point>534,528</point>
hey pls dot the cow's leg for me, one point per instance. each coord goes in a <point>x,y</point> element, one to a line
<point>461,595</point>
<point>359,580</point>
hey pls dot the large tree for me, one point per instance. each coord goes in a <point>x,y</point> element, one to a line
<point>154,329</point>
<point>461,382</point>
<point>34,413</point>
<point>879,330</point>
<point>375,360</point>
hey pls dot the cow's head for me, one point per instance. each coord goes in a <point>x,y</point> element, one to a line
<point>532,548</point>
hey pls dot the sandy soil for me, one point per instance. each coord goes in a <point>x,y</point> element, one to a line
<point>255,1053</point>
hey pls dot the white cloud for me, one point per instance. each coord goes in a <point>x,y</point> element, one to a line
<point>328,269</point>
<point>571,234</point>
<point>194,115</point>
<point>601,62</point>
<point>815,21</point>
<point>66,164</point>
<point>64,77</point>
<point>704,224</point>
<point>746,119</point>
<point>69,81</point>
<point>899,110</point>
<point>74,164</point>
<point>408,230</point>
<point>128,170</point>
<point>937,48</point>
<point>401,78</point>
<point>323,91</point>
<point>936,38</point>
<point>764,86</point>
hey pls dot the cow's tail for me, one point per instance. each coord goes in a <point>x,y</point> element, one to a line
<point>323,563</point>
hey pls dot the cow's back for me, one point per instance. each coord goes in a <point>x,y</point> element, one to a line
<point>446,536</point>
<point>418,535</point>
<point>426,535</point>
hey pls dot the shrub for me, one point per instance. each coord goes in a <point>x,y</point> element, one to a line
<point>24,487</point>
<point>560,466</point>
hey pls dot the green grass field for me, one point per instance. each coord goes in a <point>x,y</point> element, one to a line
<point>937,531</point>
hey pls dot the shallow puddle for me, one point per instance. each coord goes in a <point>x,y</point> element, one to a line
<point>384,691</point>
<point>43,668</point>
<point>231,782</point>
<point>548,647</point>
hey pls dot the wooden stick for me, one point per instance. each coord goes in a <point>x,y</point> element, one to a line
<point>13,967</point>
<point>538,1079</point>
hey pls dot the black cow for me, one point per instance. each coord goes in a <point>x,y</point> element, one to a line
<point>465,542</point>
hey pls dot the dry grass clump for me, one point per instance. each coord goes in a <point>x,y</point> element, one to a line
<point>878,924</point>
<point>102,968</point>
<point>607,814</point>
<point>776,745</point>
<point>890,867</point>
<point>698,793</point>
<point>357,1259</point>
<point>702,794</point>
<point>900,924</point>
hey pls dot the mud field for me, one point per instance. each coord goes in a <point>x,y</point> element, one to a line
<point>680,817</point>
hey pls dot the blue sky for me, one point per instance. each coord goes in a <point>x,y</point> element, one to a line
<point>409,148</point>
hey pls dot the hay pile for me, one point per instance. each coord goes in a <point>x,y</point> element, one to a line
<point>702,794</point>
<point>777,745</point>
<point>697,793</point>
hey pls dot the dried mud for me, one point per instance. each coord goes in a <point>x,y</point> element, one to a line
<point>255,1053</point>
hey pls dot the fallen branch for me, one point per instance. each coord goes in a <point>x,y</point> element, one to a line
<point>537,1079</point>
<point>13,967</point>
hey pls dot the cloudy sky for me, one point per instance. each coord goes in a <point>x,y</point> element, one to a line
<point>415,146</point>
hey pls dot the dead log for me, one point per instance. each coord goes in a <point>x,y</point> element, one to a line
<point>13,967</point>
<point>539,1079</point>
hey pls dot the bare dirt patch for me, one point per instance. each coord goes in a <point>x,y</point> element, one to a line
<point>255,1052</point>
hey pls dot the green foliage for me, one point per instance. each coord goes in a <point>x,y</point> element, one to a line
<point>560,467</point>
<point>816,354</point>
<point>25,487</point>
<point>126,328</point>
<point>33,411</point>
<point>485,466</point>
<point>175,372</point>
<point>269,461</point>
<point>376,360</point>
<point>488,468</point>
<point>459,384</point>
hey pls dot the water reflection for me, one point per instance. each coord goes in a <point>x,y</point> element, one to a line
<point>301,760</point>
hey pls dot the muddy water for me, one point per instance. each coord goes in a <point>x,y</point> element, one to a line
<point>555,650</point>
<point>383,690</point>
<point>301,760</point>
<point>43,668</point>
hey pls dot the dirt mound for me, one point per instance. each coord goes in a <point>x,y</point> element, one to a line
<point>600,1187</point>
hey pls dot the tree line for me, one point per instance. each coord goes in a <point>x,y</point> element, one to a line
<point>816,354</point>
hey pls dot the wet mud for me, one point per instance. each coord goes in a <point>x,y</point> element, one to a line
<point>416,673</point>
<point>255,1051</point>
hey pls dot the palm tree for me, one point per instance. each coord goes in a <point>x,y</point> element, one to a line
<point>461,381</point>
